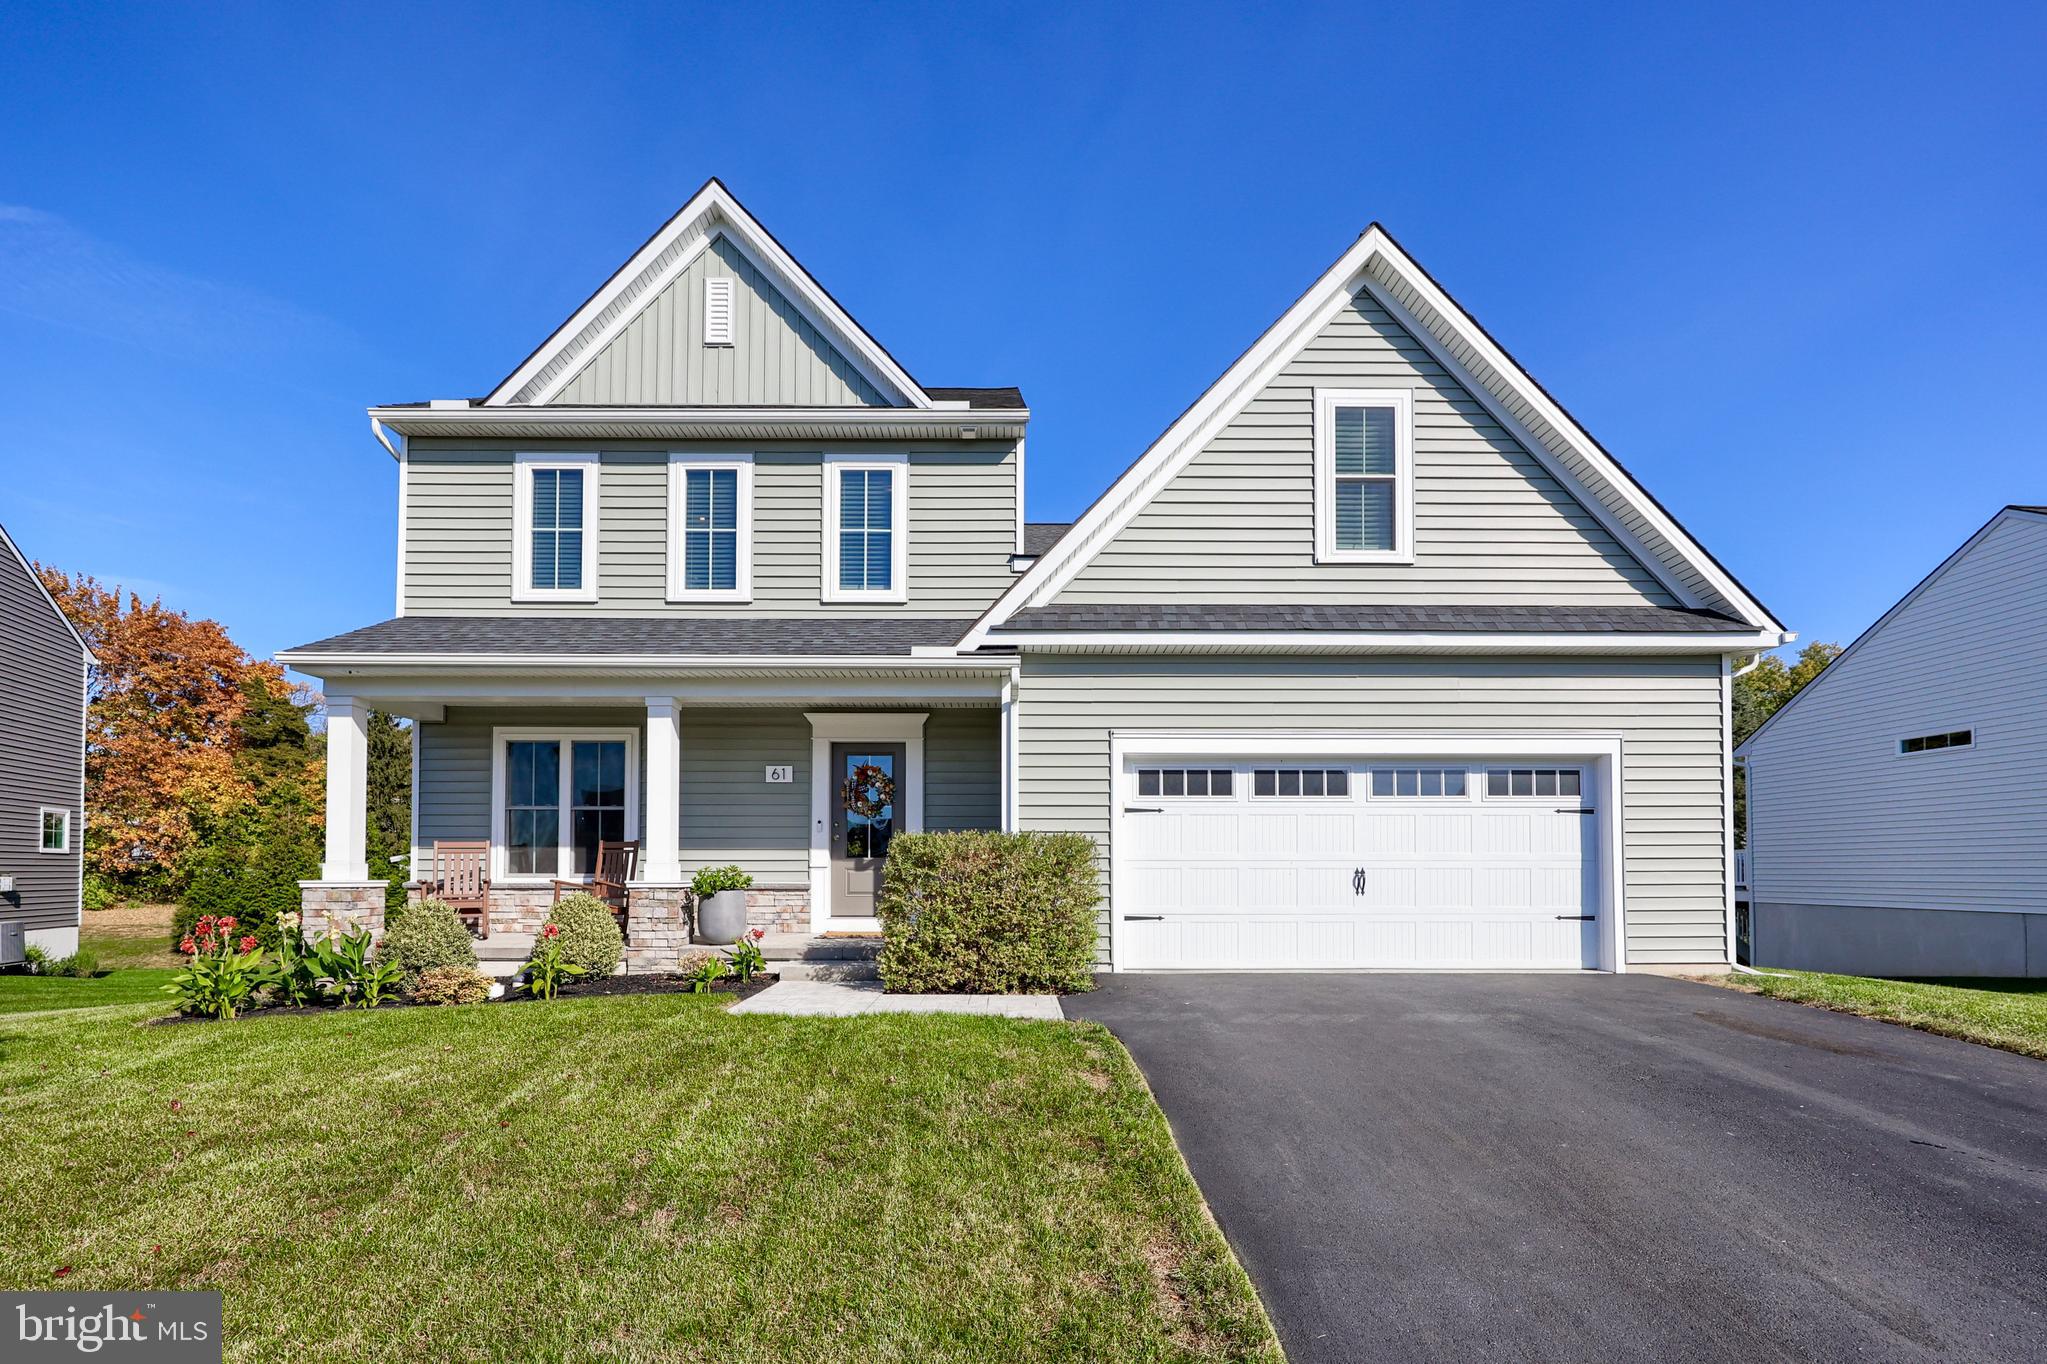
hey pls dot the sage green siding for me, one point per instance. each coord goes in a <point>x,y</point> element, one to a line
<point>730,812</point>
<point>777,358</point>
<point>458,528</point>
<point>1668,712</point>
<point>1490,524</point>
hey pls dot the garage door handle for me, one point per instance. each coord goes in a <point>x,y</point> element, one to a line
<point>1585,917</point>
<point>1144,809</point>
<point>1145,918</point>
<point>1357,881</point>
<point>1576,810</point>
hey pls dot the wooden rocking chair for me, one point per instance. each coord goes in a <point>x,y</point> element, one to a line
<point>615,865</point>
<point>461,880</point>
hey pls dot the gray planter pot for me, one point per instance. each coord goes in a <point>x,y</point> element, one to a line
<point>721,918</point>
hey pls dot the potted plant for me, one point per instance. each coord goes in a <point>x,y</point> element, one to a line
<point>721,903</point>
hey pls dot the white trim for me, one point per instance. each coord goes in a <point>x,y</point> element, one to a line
<point>413,863</point>
<point>721,305</point>
<point>898,465</point>
<point>1833,669</point>
<point>1416,641</point>
<point>1727,795</point>
<point>403,454</point>
<point>680,463</point>
<point>1250,374</point>
<point>84,723</point>
<point>1401,400</point>
<point>500,735</point>
<point>346,857</point>
<point>315,663</point>
<point>523,468</point>
<point>765,423</point>
<point>1019,500</point>
<point>1012,722</point>
<point>661,849</point>
<point>880,727</point>
<point>705,207</point>
<point>1599,750</point>
<point>45,811</point>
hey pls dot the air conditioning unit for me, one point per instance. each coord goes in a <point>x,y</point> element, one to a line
<point>10,942</point>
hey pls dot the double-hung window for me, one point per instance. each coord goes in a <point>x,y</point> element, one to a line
<point>554,528</point>
<point>1364,475</point>
<point>866,530</point>
<point>557,794</point>
<point>53,830</point>
<point>710,527</point>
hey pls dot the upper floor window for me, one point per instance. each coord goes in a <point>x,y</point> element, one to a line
<point>1364,475</point>
<point>1929,743</point>
<point>866,530</point>
<point>554,515</point>
<point>710,527</point>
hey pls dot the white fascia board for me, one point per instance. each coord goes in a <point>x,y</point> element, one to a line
<point>715,201</point>
<point>308,662</point>
<point>1224,399</point>
<point>37,579</point>
<point>1833,669</point>
<point>420,421</point>
<point>1361,641</point>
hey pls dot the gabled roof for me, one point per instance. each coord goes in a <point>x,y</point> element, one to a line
<point>1833,669</point>
<point>711,212</point>
<point>37,579</point>
<point>1376,264</point>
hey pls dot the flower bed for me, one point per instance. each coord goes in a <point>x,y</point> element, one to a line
<point>653,983</point>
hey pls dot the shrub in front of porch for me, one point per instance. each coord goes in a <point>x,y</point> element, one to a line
<point>988,913</point>
<point>424,935</point>
<point>589,935</point>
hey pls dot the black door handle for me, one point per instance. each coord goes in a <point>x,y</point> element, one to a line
<point>1357,881</point>
<point>1148,918</point>
<point>1585,918</point>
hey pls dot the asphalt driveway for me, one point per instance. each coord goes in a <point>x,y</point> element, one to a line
<point>1526,1167</point>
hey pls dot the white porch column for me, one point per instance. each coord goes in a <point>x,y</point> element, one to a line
<point>660,851</point>
<point>348,790</point>
<point>1008,756</point>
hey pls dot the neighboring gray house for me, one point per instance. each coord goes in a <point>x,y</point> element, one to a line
<point>1374,658</point>
<point>43,671</point>
<point>1895,820</point>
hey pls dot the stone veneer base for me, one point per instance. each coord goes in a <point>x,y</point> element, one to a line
<point>342,906</point>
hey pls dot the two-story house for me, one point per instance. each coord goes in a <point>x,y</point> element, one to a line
<point>1374,658</point>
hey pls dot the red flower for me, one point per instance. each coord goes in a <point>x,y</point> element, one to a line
<point>205,923</point>
<point>248,942</point>
<point>227,923</point>
<point>551,931</point>
<point>188,947</point>
<point>758,934</point>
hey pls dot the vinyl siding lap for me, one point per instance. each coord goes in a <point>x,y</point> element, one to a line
<point>1667,711</point>
<point>963,770</point>
<point>42,751</point>
<point>1491,524</point>
<point>1837,816</point>
<point>459,532</point>
<point>777,358</point>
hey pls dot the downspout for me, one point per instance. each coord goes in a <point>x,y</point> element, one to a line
<point>1729,673</point>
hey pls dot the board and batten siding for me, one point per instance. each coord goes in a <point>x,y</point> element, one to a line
<point>1838,816</point>
<point>1668,712</point>
<point>458,532</point>
<point>731,813</point>
<point>1491,526</point>
<point>42,758</point>
<point>776,359</point>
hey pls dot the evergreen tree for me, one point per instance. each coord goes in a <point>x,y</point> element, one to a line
<point>389,831</point>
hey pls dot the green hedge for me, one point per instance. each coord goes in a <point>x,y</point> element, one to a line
<point>423,936</point>
<point>988,913</point>
<point>589,933</point>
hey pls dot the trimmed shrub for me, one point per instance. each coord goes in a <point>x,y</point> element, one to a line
<point>80,965</point>
<point>424,936</point>
<point>988,913</point>
<point>451,985</point>
<point>589,934</point>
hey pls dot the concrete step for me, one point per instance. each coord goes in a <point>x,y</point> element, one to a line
<point>779,947</point>
<point>513,947</point>
<point>826,970</point>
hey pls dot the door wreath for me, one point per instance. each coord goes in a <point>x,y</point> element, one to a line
<point>868,792</point>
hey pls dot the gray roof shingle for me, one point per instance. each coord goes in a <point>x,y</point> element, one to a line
<point>982,399</point>
<point>1194,618</point>
<point>1040,536</point>
<point>644,635</point>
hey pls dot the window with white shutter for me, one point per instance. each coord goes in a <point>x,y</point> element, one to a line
<point>718,308</point>
<point>1364,475</point>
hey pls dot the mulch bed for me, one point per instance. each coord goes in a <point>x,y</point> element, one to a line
<point>652,983</point>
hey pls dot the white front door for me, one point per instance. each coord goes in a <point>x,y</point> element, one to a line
<point>1343,862</point>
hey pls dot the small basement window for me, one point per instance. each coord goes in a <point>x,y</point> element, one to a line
<point>1927,743</point>
<point>54,831</point>
<point>1531,781</point>
<point>1446,782</point>
<point>1300,781</point>
<point>1183,781</point>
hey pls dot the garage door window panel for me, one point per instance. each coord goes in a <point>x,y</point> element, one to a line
<point>1310,782</point>
<point>1419,783</point>
<point>1533,782</point>
<point>1185,781</point>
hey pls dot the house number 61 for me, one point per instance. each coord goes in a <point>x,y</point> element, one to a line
<point>781,775</point>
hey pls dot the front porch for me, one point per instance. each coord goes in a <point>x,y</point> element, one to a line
<point>707,775</point>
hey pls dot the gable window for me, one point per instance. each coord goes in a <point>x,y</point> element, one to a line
<point>866,530</point>
<point>557,794</point>
<point>554,516</point>
<point>1364,475</point>
<point>1928,743</point>
<point>53,834</point>
<point>710,527</point>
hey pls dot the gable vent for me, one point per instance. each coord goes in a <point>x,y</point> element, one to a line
<point>718,312</point>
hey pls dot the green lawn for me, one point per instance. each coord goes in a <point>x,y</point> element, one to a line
<point>24,994</point>
<point>2011,1014</point>
<point>634,1178</point>
<point>128,935</point>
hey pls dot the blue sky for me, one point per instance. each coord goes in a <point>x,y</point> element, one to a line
<point>1784,261</point>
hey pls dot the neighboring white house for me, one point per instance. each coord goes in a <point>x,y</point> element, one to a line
<point>1373,659</point>
<point>1897,820</point>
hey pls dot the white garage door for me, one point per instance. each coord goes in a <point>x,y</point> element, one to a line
<point>1228,865</point>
